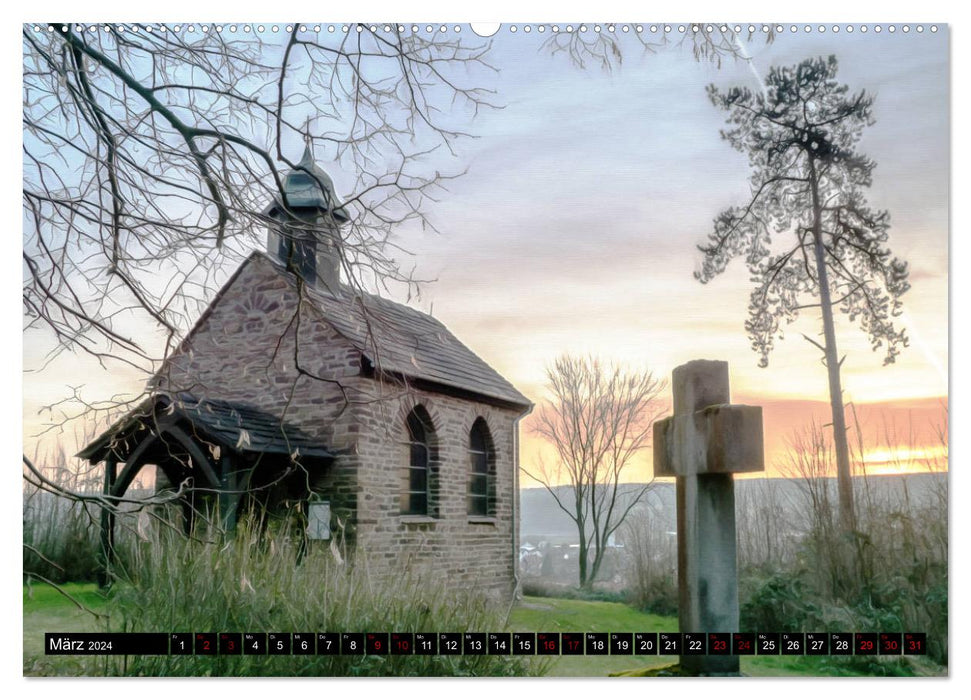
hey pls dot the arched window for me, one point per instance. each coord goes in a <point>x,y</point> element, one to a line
<point>482,472</point>
<point>418,489</point>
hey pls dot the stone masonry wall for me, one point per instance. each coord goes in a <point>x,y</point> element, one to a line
<point>466,551</point>
<point>244,349</point>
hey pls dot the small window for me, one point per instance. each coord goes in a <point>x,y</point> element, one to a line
<point>417,493</point>
<point>482,472</point>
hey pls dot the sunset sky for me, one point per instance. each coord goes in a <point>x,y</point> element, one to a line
<point>576,226</point>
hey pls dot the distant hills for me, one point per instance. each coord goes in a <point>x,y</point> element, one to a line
<point>542,520</point>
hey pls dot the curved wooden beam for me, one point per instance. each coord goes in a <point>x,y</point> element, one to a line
<point>196,453</point>
<point>137,460</point>
<point>134,464</point>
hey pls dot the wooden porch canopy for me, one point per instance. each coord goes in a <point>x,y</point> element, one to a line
<point>207,440</point>
<point>234,426</point>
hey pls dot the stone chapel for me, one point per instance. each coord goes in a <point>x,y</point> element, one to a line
<point>296,393</point>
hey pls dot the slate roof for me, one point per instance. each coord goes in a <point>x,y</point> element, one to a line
<point>237,426</point>
<point>402,340</point>
<point>225,422</point>
<point>394,337</point>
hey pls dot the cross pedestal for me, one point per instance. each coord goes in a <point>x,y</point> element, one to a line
<point>702,445</point>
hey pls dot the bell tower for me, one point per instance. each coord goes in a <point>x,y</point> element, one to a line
<point>304,234</point>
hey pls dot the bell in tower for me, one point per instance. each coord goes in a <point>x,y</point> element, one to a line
<point>305,232</point>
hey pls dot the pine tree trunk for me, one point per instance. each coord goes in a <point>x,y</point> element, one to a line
<point>843,476</point>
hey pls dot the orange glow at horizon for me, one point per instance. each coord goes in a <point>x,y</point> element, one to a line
<point>908,437</point>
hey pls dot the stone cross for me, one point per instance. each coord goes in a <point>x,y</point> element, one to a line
<point>702,445</point>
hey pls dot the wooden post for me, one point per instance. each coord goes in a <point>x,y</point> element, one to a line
<point>108,524</point>
<point>228,495</point>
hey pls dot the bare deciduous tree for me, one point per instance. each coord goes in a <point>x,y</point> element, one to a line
<point>151,151</point>
<point>601,45</point>
<point>598,418</point>
<point>808,187</point>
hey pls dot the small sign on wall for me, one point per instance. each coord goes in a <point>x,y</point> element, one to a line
<point>318,520</point>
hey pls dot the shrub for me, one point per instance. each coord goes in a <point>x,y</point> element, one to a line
<point>553,589</point>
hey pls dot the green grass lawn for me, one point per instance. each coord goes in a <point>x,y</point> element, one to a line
<point>560,615</point>
<point>47,610</point>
